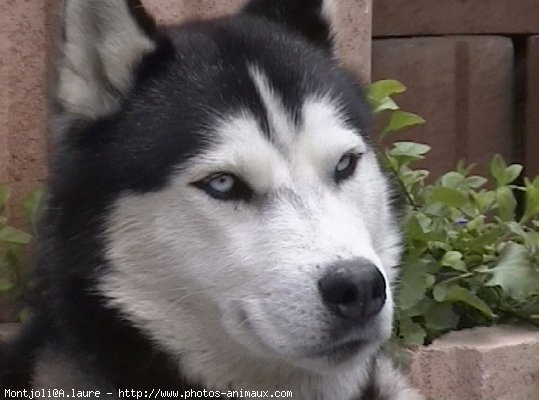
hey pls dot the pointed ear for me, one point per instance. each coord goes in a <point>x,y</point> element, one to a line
<point>102,43</point>
<point>313,19</point>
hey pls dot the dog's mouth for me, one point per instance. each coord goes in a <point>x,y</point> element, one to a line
<point>339,352</point>
<point>332,346</point>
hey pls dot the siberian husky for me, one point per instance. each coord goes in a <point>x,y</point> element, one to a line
<point>217,222</point>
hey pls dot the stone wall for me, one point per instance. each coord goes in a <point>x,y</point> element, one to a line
<point>472,67</point>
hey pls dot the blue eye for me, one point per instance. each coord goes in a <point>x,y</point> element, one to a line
<point>346,167</point>
<point>222,183</point>
<point>344,163</point>
<point>225,187</point>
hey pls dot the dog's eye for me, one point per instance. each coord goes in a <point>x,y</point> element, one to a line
<point>225,187</point>
<point>346,167</point>
<point>222,183</point>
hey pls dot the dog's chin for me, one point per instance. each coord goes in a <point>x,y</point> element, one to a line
<point>318,357</point>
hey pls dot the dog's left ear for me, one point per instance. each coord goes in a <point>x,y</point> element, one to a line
<point>102,44</point>
<point>313,19</point>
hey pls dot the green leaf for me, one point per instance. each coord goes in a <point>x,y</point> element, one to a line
<point>33,207</point>
<point>502,173</point>
<point>421,308</point>
<point>379,95</point>
<point>507,203</point>
<point>457,293</point>
<point>518,230</point>
<point>409,149</point>
<point>14,236</point>
<point>5,285</point>
<point>531,199</point>
<point>475,182</point>
<point>412,333</point>
<point>400,120</point>
<point>512,172</point>
<point>515,274</point>
<point>11,260</point>
<point>452,180</point>
<point>440,292</point>
<point>484,200</point>
<point>441,317</point>
<point>381,90</point>
<point>384,105</point>
<point>497,169</point>
<point>453,259</point>
<point>25,315</point>
<point>447,196</point>
<point>476,224</point>
<point>5,192</point>
<point>413,284</point>
<point>485,238</point>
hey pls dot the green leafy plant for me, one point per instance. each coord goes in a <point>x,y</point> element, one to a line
<point>13,244</point>
<point>471,253</point>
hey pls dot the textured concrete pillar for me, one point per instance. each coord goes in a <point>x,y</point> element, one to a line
<point>531,139</point>
<point>26,44</point>
<point>4,104</point>
<point>354,36</point>
<point>23,43</point>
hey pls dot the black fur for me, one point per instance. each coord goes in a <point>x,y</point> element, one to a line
<point>144,20</point>
<point>302,17</point>
<point>198,70</point>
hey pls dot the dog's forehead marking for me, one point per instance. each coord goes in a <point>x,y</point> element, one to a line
<point>280,122</point>
<point>322,131</point>
<point>303,148</point>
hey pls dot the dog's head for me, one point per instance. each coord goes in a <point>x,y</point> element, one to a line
<point>225,170</point>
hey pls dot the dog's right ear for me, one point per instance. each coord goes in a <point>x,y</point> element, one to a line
<point>102,43</point>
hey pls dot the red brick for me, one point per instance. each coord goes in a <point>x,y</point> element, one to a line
<point>531,140</point>
<point>439,17</point>
<point>461,85</point>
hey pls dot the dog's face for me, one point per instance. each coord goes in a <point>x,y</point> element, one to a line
<point>241,205</point>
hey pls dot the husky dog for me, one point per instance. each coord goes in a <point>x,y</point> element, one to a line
<point>216,218</point>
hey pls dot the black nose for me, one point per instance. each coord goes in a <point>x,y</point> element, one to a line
<point>353,289</point>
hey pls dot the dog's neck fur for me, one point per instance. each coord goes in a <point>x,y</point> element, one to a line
<point>214,361</point>
<point>234,368</point>
<point>213,367</point>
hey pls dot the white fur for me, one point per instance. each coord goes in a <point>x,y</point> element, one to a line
<point>231,288</point>
<point>55,370</point>
<point>329,13</point>
<point>102,46</point>
<point>391,384</point>
<point>280,122</point>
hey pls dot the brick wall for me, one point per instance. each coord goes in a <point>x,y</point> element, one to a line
<point>27,31</point>
<point>472,68</point>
